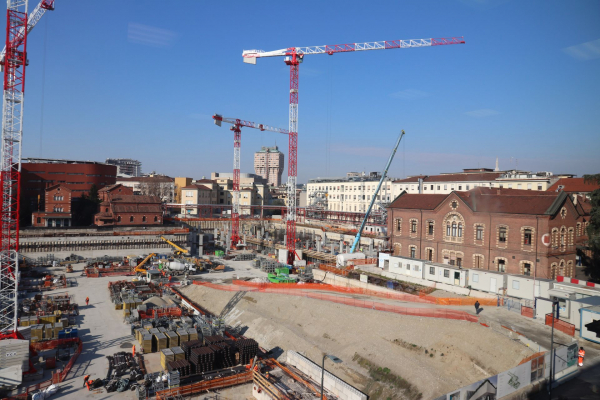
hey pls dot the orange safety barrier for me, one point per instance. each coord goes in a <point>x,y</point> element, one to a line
<point>443,301</point>
<point>419,312</point>
<point>560,325</point>
<point>203,386</point>
<point>527,312</point>
<point>339,289</point>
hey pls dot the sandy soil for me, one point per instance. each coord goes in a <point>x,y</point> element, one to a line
<point>434,355</point>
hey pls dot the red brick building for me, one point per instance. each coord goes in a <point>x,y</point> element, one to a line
<point>494,229</point>
<point>120,207</point>
<point>57,208</point>
<point>78,176</point>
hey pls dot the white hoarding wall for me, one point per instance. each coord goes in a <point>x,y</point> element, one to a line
<point>507,382</point>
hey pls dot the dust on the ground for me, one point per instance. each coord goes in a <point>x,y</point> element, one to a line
<point>447,354</point>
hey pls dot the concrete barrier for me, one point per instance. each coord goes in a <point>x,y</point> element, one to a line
<point>331,382</point>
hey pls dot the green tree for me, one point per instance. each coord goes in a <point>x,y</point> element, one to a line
<point>593,230</point>
<point>85,207</point>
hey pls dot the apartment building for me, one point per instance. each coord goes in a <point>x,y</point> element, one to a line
<point>472,178</point>
<point>268,163</point>
<point>254,187</point>
<point>351,194</point>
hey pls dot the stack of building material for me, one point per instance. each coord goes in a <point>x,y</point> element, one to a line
<point>193,333</point>
<point>182,366</point>
<point>65,322</point>
<point>178,352</point>
<point>146,342</point>
<point>57,328</point>
<point>248,349</point>
<point>224,355</point>
<point>148,327</point>
<point>173,339</point>
<point>203,359</point>
<point>162,329</point>
<point>187,321</point>
<point>183,336</point>
<point>138,334</point>
<point>48,331</point>
<point>188,346</point>
<point>37,332</point>
<point>213,339</point>
<point>166,356</point>
<point>161,341</point>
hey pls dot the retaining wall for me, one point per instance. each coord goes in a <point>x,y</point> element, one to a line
<point>331,382</point>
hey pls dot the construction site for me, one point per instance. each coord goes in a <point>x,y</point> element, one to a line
<point>236,302</point>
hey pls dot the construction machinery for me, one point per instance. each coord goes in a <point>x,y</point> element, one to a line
<point>385,171</point>
<point>140,267</point>
<point>14,60</point>
<point>293,56</point>
<point>237,143</point>
<point>178,250</point>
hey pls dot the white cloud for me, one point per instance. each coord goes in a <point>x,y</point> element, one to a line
<point>150,35</point>
<point>410,94</point>
<point>584,51</point>
<point>484,112</point>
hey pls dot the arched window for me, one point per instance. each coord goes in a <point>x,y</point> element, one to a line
<point>459,229</point>
<point>454,229</point>
<point>131,219</point>
<point>144,218</point>
<point>448,229</point>
<point>155,218</point>
<point>119,218</point>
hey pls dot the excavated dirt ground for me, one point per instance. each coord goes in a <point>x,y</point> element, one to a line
<point>386,355</point>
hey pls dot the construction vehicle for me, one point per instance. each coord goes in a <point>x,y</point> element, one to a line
<point>364,222</point>
<point>140,267</point>
<point>177,267</point>
<point>178,250</point>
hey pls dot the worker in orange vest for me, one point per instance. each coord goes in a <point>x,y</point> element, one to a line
<point>170,276</point>
<point>581,354</point>
<point>87,301</point>
<point>87,383</point>
<point>85,379</point>
<point>133,350</point>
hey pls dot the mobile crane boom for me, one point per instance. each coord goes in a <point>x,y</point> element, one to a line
<point>387,167</point>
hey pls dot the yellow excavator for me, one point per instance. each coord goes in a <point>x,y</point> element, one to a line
<point>140,267</point>
<point>178,250</point>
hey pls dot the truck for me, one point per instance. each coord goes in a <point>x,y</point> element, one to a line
<point>177,267</point>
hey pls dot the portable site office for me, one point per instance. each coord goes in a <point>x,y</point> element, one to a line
<point>487,281</point>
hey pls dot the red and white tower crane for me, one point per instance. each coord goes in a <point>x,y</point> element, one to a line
<point>293,57</point>
<point>237,142</point>
<point>14,61</point>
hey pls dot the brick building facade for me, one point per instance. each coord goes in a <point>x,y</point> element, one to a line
<point>494,229</point>
<point>57,208</point>
<point>120,207</point>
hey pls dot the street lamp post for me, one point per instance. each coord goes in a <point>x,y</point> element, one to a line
<point>332,358</point>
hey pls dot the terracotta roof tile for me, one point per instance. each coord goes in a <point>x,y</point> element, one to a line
<point>574,185</point>
<point>418,201</point>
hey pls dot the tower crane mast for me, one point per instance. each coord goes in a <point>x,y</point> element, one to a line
<point>238,124</point>
<point>293,56</point>
<point>14,62</point>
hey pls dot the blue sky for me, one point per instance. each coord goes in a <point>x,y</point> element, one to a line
<point>141,79</point>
